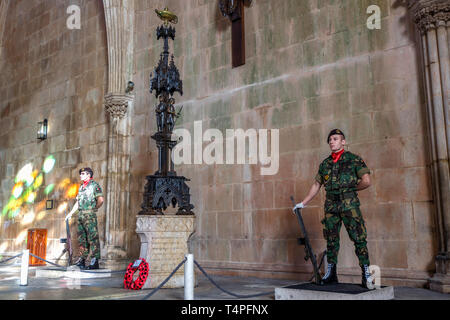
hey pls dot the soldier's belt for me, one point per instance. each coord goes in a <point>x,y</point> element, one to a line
<point>89,210</point>
<point>341,196</point>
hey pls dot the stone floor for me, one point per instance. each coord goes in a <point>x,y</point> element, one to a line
<point>112,288</point>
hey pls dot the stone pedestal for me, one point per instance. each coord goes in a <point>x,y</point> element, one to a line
<point>339,291</point>
<point>164,246</point>
<point>440,281</point>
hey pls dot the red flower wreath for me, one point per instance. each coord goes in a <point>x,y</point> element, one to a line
<point>139,282</point>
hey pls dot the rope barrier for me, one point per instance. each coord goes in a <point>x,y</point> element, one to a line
<point>228,292</point>
<point>81,270</point>
<point>90,271</point>
<point>8,259</point>
<point>56,265</point>
<point>164,282</point>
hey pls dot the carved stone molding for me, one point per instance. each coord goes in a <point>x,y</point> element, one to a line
<point>164,224</point>
<point>430,14</point>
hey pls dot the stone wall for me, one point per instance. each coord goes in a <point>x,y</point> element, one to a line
<point>311,66</point>
<point>49,71</point>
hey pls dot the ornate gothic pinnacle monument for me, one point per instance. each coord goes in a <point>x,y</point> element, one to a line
<point>165,188</point>
<point>164,237</point>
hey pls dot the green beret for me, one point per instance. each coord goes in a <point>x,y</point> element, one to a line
<point>333,132</point>
<point>88,170</point>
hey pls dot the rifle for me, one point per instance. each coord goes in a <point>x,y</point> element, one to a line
<point>309,254</point>
<point>68,243</point>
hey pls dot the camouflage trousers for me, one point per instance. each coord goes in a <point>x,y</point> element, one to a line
<point>354,223</point>
<point>88,234</point>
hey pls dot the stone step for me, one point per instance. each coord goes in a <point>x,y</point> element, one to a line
<point>72,272</point>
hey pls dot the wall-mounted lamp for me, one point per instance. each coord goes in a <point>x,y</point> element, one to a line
<point>42,130</point>
<point>49,205</point>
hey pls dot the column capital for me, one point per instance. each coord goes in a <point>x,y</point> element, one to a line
<point>116,104</point>
<point>429,14</point>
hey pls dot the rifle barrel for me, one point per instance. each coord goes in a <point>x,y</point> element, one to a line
<point>307,243</point>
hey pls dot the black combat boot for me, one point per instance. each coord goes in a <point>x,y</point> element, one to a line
<point>331,275</point>
<point>81,263</point>
<point>93,265</point>
<point>367,279</point>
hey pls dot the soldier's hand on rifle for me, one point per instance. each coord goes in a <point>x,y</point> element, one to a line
<point>311,194</point>
<point>68,216</point>
<point>75,208</point>
<point>298,206</point>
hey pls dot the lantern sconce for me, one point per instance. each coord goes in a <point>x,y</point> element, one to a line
<point>49,205</point>
<point>42,130</point>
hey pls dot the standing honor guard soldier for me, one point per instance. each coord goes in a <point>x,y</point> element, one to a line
<point>343,174</point>
<point>89,200</point>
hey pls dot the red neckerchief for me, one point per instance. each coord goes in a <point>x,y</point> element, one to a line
<point>85,183</point>
<point>337,155</point>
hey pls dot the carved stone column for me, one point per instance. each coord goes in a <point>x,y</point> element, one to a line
<point>4,4</point>
<point>432,18</point>
<point>119,19</point>
<point>118,180</point>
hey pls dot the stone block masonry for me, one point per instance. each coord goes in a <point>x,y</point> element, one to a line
<point>51,72</point>
<point>311,66</point>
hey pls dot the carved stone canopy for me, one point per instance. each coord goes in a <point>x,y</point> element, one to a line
<point>429,14</point>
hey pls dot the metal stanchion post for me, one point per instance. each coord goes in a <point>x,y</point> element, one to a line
<point>24,268</point>
<point>189,277</point>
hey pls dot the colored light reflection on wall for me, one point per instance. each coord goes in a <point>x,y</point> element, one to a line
<point>3,246</point>
<point>24,173</point>
<point>38,181</point>
<point>64,183</point>
<point>25,192</point>
<point>62,207</point>
<point>49,164</point>
<point>22,236</point>
<point>41,215</point>
<point>17,190</point>
<point>31,197</point>
<point>49,189</point>
<point>72,191</point>
<point>28,218</point>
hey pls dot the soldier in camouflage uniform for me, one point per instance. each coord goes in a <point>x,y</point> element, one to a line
<point>89,199</point>
<point>342,174</point>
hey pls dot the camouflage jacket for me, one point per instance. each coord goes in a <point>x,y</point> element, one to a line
<point>87,197</point>
<point>340,180</point>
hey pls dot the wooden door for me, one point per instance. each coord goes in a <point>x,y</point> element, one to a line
<point>37,244</point>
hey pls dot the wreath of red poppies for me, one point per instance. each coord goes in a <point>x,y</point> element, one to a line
<point>139,282</point>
